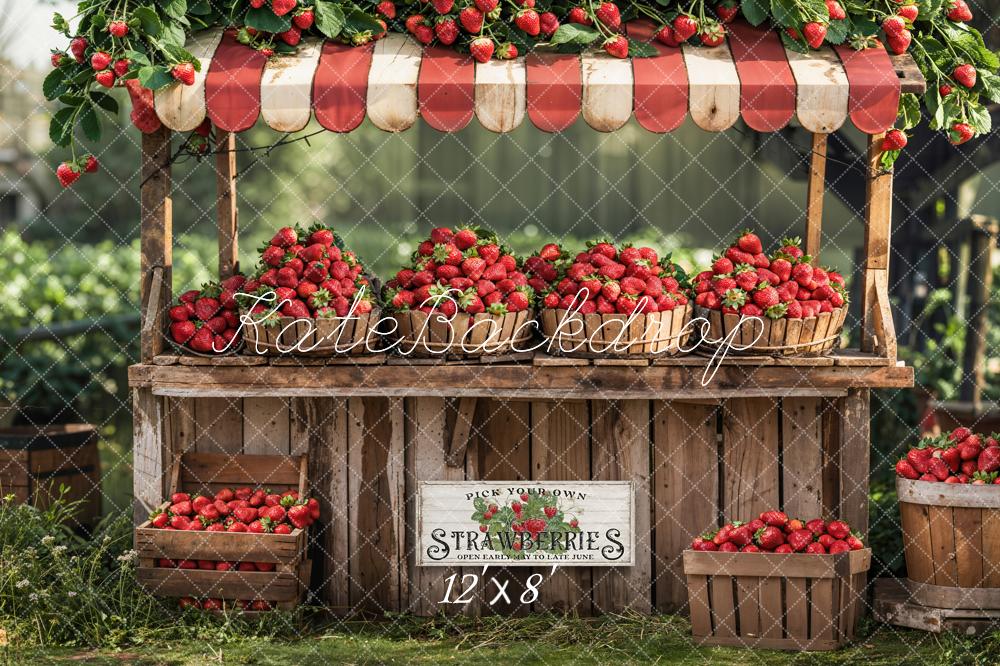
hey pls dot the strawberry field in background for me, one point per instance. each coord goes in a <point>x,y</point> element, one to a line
<point>142,45</point>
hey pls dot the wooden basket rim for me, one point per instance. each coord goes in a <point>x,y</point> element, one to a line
<point>964,495</point>
<point>761,349</point>
<point>776,565</point>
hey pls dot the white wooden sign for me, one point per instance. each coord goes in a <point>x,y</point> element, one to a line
<point>526,523</point>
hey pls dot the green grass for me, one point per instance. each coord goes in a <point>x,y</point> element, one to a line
<point>539,639</point>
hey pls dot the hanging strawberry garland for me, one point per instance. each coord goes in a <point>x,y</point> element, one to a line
<point>141,45</point>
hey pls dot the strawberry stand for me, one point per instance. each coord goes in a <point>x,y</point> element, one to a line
<point>765,432</point>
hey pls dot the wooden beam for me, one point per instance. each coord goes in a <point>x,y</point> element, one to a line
<point>226,207</point>
<point>156,244</point>
<point>462,432</point>
<point>877,327</point>
<point>147,453</point>
<point>855,442</point>
<point>816,190</point>
<point>517,381</point>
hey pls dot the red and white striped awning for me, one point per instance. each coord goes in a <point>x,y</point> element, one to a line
<point>395,80</point>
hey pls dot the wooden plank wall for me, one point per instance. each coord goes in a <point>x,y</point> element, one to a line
<point>694,464</point>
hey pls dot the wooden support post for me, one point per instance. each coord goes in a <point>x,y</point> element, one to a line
<point>147,453</point>
<point>855,444</point>
<point>816,190</point>
<point>983,238</point>
<point>156,245</point>
<point>462,432</point>
<point>228,213</point>
<point>878,334</point>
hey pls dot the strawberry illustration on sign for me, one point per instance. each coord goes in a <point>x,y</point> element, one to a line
<point>523,527</point>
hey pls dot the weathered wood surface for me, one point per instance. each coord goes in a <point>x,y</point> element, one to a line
<point>893,604</point>
<point>517,381</point>
<point>359,448</point>
<point>156,244</point>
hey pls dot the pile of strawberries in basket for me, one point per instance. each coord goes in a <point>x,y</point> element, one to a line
<point>242,510</point>
<point>206,320</point>
<point>466,270</point>
<point>775,532</point>
<point>606,279</point>
<point>962,456</point>
<point>312,275</point>
<point>745,281</point>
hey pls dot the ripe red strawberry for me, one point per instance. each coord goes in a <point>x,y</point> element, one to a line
<point>608,14</point>
<point>938,468</point>
<point>304,19</point>
<point>105,78</point>
<point>959,11</point>
<point>78,47</point>
<point>481,49</point>
<point>665,35</point>
<point>292,36</point>
<point>799,539</point>
<point>386,9</point>
<point>282,7</point>
<point>835,11</point>
<point>899,43</point>
<point>68,174</point>
<point>815,34</point>
<point>579,16</point>
<point>424,34</point>
<point>894,140</point>
<point>749,242</point>
<point>769,537</point>
<point>183,72</point>
<point>952,457</point>
<point>118,28</point>
<point>965,75</point>
<point>120,67</point>
<point>893,25</point>
<point>909,12</point>
<point>486,6</point>
<point>838,529</point>
<point>100,60</point>
<point>989,459</point>
<point>960,133</point>
<point>684,27</point>
<point>548,23</point>
<point>528,21</point>
<point>182,331</point>
<point>616,46</point>
<point>712,34</point>
<point>727,10</point>
<point>471,19</point>
<point>722,266</point>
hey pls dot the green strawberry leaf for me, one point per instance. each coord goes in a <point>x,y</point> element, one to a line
<point>573,34</point>
<point>755,11</point>
<point>330,18</point>
<point>264,19</point>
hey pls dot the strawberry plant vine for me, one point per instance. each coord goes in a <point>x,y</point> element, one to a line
<point>140,44</point>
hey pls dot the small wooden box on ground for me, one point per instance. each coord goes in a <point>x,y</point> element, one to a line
<point>207,473</point>
<point>784,601</point>
<point>36,461</point>
<point>951,542</point>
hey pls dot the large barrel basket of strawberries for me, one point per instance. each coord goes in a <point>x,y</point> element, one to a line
<point>610,302</point>
<point>776,305</point>
<point>310,297</point>
<point>949,502</point>
<point>463,294</point>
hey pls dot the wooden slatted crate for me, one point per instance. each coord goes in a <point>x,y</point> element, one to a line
<point>781,601</point>
<point>204,472</point>
<point>951,542</point>
<point>36,461</point>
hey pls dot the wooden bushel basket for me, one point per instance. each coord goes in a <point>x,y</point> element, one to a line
<point>780,337</point>
<point>951,542</point>
<point>323,337</point>
<point>601,335</point>
<point>781,601</point>
<point>208,473</point>
<point>36,461</point>
<point>463,336</point>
